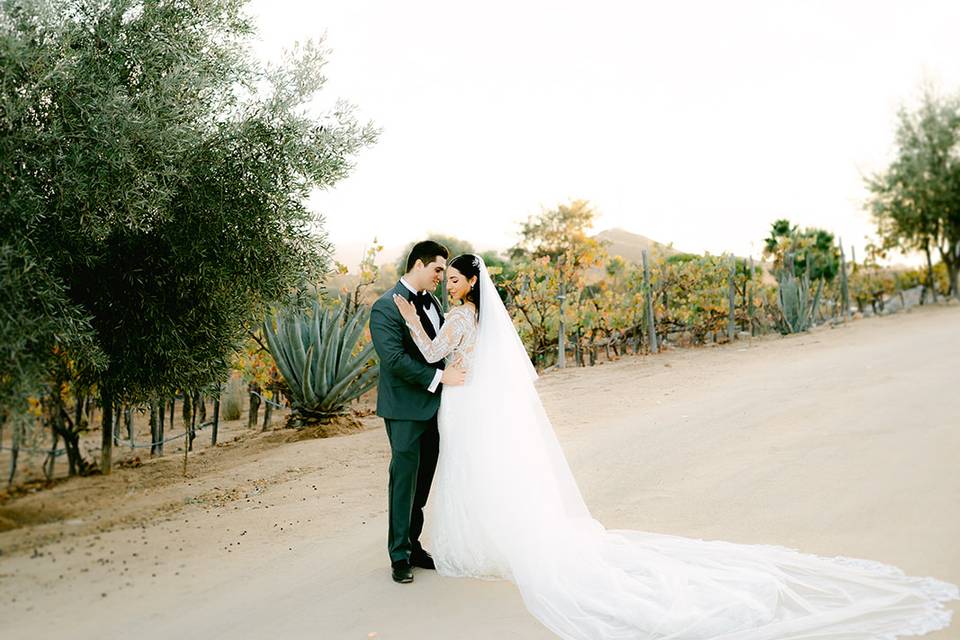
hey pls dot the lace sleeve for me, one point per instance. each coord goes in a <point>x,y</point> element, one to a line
<point>451,333</point>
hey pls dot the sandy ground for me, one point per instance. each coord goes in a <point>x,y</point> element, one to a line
<point>843,441</point>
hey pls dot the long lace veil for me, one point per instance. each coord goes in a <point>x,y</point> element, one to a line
<point>533,471</point>
<point>583,581</point>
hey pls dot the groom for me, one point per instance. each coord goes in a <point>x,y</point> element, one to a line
<point>408,397</point>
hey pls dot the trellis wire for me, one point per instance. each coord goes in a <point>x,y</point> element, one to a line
<point>279,406</point>
<point>56,452</point>
<point>116,441</point>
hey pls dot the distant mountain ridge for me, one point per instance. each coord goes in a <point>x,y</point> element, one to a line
<point>620,242</point>
<point>630,246</point>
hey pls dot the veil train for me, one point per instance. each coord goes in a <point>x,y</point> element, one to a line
<point>528,522</point>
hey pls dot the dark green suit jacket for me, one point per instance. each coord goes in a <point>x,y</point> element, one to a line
<point>404,373</point>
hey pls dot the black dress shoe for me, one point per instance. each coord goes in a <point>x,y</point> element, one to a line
<point>402,571</point>
<point>422,559</point>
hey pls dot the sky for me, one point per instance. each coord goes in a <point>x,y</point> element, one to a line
<point>697,123</point>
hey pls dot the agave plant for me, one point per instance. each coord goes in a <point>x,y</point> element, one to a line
<point>796,308</point>
<point>320,355</point>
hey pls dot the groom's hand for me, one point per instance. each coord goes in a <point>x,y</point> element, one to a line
<point>453,376</point>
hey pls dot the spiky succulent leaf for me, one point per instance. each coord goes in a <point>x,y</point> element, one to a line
<point>321,355</point>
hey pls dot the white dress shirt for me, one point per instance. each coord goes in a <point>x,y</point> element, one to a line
<point>434,314</point>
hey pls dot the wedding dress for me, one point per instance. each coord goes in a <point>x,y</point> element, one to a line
<point>506,506</point>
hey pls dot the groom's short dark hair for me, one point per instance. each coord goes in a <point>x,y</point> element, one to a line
<point>426,252</point>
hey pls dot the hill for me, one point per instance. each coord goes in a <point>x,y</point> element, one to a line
<point>630,246</point>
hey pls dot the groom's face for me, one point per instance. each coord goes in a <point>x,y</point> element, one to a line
<point>429,275</point>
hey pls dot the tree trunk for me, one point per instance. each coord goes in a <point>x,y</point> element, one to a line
<point>15,449</point>
<point>117,412</point>
<point>194,401</point>
<point>931,283</point>
<point>254,407</point>
<point>71,442</point>
<point>159,439</point>
<point>106,442</point>
<point>951,258</point>
<point>128,423</point>
<point>154,427</point>
<point>187,428</point>
<point>71,437</point>
<point>51,461</point>
<point>188,420</point>
<point>216,419</point>
<point>197,399</point>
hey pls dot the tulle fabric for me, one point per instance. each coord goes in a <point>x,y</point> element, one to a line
<point>506,506</point>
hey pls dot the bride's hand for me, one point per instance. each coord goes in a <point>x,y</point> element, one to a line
<point>407,310</point>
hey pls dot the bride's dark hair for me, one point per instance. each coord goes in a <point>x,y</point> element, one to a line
<point>469,265</point>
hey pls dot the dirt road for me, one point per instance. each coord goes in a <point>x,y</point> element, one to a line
<point>844,441</point>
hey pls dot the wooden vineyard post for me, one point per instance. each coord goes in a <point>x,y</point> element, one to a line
<point>648,303</point>
<point>254,413</point>
<point>844,289</point>
<point>561,333</point>
<point>749,294</point>
<point>732,301</point>
<point>267,413</point>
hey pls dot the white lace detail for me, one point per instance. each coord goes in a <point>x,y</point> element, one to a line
<point>455,340</point>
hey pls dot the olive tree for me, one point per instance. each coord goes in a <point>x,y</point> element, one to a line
<point>153,202</point>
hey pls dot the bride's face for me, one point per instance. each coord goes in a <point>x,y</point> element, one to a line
<point>457,284</point>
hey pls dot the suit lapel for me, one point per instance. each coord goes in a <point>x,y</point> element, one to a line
<point>426,322</point>
<point>424,318</point>
<point>402,290</point>
<point>439,309</point>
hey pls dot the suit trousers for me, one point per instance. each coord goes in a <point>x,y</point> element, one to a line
<point>414,448</point>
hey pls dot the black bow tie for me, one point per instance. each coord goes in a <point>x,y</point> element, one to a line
<point>423,300</point>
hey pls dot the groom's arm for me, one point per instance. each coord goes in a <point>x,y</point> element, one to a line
<point>387,335</point>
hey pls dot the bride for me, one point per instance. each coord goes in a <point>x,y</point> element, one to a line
<point>506,506</point>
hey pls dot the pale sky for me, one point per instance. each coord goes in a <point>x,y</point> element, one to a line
<point>693,122</point>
